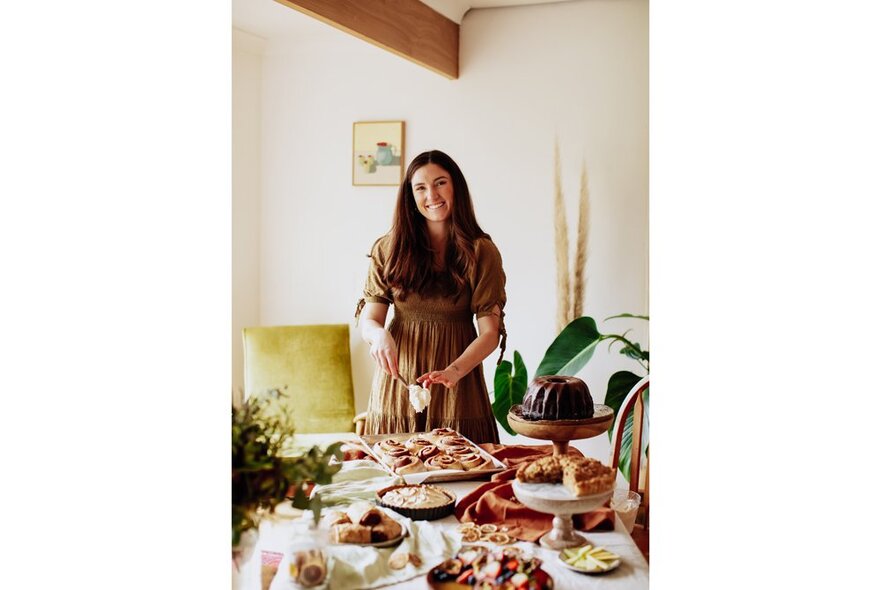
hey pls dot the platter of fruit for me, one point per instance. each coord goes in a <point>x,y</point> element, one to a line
<point>475,566</point>
<point>589,559</point>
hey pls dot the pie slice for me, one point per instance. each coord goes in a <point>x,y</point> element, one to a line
<point>587,477</point>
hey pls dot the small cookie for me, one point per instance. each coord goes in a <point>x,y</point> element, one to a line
<point>470,535</point>
<point>499,538</point>
<point>486,529</point>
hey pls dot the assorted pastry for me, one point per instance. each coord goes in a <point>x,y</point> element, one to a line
<point>581,476</point>
<point>362,523</point>
<point>442,448</point>
<point>507,568</point>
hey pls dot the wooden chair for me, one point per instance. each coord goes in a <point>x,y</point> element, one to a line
<point>311,365</point>
<point>634,404</point>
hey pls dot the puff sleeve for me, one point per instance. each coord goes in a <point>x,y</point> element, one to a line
<point>487,286</point>
<point>376,290</point>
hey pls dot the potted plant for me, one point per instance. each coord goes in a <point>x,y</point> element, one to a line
<point>262,476</point>
<point>567,355</point>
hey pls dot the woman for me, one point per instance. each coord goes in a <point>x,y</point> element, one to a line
<point>439,269</point>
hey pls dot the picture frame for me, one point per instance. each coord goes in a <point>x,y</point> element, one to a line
<point>377,153</point>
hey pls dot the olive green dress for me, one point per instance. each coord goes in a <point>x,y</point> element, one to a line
<point>431,333</point>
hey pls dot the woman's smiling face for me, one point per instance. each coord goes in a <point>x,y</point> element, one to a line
<point>432,189</point>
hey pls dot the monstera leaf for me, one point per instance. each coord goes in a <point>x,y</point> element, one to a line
<point>572,349</point>
<point>511,381</point>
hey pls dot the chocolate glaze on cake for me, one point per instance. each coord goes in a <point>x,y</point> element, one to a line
<point>557,397</point>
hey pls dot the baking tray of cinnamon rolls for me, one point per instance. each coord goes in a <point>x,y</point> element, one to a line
<point>443,453</point>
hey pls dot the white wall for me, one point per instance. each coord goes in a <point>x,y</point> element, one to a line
<point>247,81</point>
<point>577,71</point>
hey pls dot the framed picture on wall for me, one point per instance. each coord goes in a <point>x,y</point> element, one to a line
<point>377,153</point>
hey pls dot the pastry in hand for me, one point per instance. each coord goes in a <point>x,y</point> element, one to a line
<point>408,464</point>
<point>438,462</point>
<point>350,533</point>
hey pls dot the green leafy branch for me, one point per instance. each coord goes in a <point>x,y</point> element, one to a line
<point>261,476</point>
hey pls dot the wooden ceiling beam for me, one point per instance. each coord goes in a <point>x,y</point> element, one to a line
<point>407,28</point>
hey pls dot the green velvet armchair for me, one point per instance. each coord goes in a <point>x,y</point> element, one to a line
<point>311,365</point>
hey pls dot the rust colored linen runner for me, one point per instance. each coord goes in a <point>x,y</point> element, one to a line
<point>494,502</point>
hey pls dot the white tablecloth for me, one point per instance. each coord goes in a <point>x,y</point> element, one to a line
<point>631,575</point>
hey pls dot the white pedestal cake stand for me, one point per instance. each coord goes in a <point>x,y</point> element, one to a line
<point>555,499</point>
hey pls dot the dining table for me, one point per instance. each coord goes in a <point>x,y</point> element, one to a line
<point>276,534</point>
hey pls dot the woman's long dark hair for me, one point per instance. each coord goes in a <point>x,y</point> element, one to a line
<point>410,265</point>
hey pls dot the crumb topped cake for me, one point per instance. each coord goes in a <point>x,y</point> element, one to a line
<point>581,476</point>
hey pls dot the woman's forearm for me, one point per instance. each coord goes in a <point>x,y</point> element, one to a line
<point>475,353</point>
<point>371,330</point>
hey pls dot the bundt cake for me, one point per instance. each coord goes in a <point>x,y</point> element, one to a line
<point>557,397</point>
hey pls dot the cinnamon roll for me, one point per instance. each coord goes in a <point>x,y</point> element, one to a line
<point>426,452</point>
<point>470,460</point>
<point>442,462</point>
<point>438,432</point>
<point>452,441</point>
<point>408,464</point>
<point>388,445</point>
<point>417,442</point>
<point>456,450</point>
<point>388,457</point>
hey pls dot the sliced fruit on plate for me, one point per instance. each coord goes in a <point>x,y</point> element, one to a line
<point>589,558</point>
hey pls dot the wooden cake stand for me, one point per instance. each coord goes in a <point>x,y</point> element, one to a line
<point>562,431</point>
<point>555,499</point>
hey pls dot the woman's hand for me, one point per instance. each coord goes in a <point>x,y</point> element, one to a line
<point>449,377</point>
<point>383,349</point>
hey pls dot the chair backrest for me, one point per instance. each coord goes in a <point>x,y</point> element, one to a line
<point>633,404</point>
<point>311,365</point>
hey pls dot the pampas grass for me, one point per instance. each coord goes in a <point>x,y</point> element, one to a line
<point>570,286</point>
<point>563,305</point>
<point>580,260</point>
